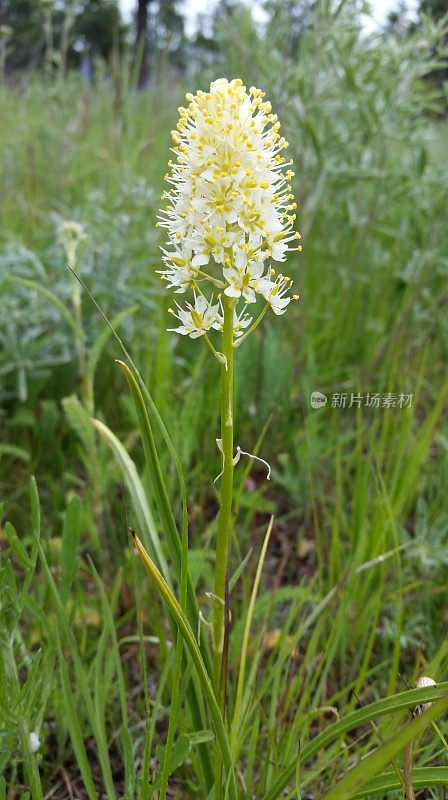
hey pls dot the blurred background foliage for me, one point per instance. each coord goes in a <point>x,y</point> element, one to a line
<point>86,105</point>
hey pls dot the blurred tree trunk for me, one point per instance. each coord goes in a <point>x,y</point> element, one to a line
<point>142,45</point>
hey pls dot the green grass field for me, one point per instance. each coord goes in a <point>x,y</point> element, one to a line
<point>350,606</point>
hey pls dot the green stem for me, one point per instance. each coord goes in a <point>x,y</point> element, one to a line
<point>213,350</point>
<point>87,388</point>
<point>224,522</point>
<point>215,281</point>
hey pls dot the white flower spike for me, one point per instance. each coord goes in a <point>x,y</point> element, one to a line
<point>230,209</point>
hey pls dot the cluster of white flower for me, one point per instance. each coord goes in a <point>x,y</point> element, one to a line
<point>230,207</point>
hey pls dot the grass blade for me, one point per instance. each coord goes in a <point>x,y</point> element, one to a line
<point>74,725</point>
<point>354,780</point>
<point>70,543</point>
<point>134,485</point>
<point>422,778</point>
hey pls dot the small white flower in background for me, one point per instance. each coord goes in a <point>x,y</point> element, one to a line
<point>198,319</point>
<point>34,742</point>
<point>71,236</point>
<point>420,684</point>
<point>230,207</point>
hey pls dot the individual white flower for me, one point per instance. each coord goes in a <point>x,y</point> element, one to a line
<point>182,269</point>
<point>243,278</point>
<point>34,742</point>
<point>230,205</point>
<point>198,319</point>
<point>275,293</point>
<point>179,278</point>
<point>210,242</point>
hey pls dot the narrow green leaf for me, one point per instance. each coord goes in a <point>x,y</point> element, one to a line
<point>15,452</point>
<point>70,543</point>
<point>201,737</point>
<point>79,420</point>
<point>411,465</point>
<point>422,778</point>
<point>17,547</point>
<point>239,570</point>
<point>129,762</point>
<point>150,729</point>
<point>176,757</point>
<point>155,473</point>
<point>74,726</point>
<point>35,509</point>
<point>36,610</point>
<point>113,653</point>
<point>145,519</point>
<point>40,664</point>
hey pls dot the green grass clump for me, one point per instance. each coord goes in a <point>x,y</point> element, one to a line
<point>352,585</point>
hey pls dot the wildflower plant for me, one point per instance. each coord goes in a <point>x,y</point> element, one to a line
<point>72,236</point>
<point>230,214</point>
